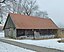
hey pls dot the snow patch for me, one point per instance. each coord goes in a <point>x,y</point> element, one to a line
<point>4,47</point>
<point>50,43</point>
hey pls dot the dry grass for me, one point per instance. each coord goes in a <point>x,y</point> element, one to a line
<point>61,36</point>
<point>61,41</point>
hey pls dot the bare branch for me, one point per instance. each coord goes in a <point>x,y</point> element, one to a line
<point>3,1</point>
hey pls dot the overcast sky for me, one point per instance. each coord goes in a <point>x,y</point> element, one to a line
<point>55,9</point>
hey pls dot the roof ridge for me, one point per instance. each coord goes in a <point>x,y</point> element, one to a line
<point>30,16</point>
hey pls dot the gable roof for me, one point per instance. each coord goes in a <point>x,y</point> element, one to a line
<point>30,22</point>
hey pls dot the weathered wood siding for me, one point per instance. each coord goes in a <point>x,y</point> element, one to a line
<point>37,33</point>
<point>10,30</point>
<point>24,32</point>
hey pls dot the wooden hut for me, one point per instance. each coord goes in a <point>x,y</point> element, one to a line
<point>18,25</point>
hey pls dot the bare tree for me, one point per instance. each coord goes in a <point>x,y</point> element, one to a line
<point>10,5</point>
<point>43,14</point>
<point>39,13</point>
<point>2,1</point>
<point>0,14</point>
<point>19,8</point>
<point>1,10</point>
<point>28,7</point>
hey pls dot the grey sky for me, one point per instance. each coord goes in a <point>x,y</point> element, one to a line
<point>55,9</point>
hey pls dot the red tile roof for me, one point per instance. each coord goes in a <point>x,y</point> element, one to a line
<point>30,22</point>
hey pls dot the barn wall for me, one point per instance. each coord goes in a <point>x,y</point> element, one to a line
<point>24,32</point>
<point>10,30</point>
<point>6,31</point>
<point>20,32</point>
<point>37,33</point>
<point>45,33</point>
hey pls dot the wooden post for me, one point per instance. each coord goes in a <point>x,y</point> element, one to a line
<point>47,31</point>
<point>33,34</point>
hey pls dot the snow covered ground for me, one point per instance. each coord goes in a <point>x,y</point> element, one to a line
<point>50,43</point>
<point>4,47</point>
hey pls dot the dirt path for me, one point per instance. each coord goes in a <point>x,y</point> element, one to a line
<point>31,47</point>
